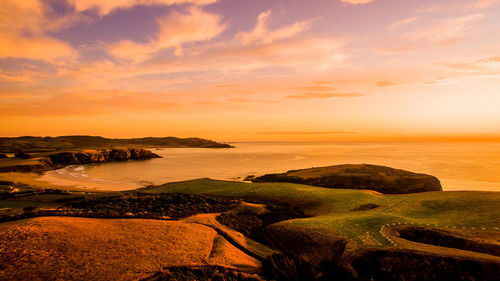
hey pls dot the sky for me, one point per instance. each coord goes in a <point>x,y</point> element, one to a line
<point>260,70</point>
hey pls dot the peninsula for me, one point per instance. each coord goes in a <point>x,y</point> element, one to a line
<point>47,144</point>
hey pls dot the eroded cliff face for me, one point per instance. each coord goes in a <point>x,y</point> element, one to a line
<point>104,155</point>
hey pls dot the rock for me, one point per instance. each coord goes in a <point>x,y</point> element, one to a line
<point>95,156</point>
<point>67,158</point>
<point>142,154</point>
<point>83,158</point>
<point>379,178</point>
<point>120,154</point>
<point>22,155</point>
<point>106,154</point>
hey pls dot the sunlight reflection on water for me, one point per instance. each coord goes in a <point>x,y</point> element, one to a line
<point>459,166</point>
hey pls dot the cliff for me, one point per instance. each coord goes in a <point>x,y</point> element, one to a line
<point>379,178</point>
<point>100,156</point>
<point>61,159</point>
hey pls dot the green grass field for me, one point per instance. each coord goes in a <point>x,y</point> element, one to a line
<point>333,213</point>
<point>10,204</point>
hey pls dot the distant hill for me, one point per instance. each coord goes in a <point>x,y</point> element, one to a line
<point>40,144</point>
<point>363,176</point>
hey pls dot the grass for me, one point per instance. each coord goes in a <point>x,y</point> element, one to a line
<point>332,209</point>
<point>7,162</point>
<point>126,249</point>
<point>9,204</point>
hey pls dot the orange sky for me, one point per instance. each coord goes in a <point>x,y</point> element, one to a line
<point>259,70</point>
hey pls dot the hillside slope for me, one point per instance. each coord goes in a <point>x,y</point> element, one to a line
<point>103,249</point>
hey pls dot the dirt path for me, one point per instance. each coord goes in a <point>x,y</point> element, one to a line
<point>238,240</point>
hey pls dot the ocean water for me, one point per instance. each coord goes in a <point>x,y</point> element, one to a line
<point>459,166</point>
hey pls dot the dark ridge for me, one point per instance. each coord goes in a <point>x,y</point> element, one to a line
<point>47,144</point>
<point>299,268</point>
<point>445,239</point>
<point>205,273</point>
<point>366,207</point>
<point>170,206</point>
<point>396,265</point>
<point>252,224</point>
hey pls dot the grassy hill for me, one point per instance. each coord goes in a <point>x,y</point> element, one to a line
<point>39,144</point>
<point>302,232</point>
<point>339,212</point>
<point>359,176</point>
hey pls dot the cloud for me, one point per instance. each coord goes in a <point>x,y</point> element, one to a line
<point>385,83</point>
<point>84,103</point>
<point>321,82</point>
<point>308,133</point>
<point>313,54</point>
<point>357,1</point>
<point>174,30</point>
<point>445,30</point>
<point>262,34</point>
<point>319,91</point>
<point>196,25</point>
<point>35,47</point>
<point>316,88</point>
<point>324,95</point>
<point>483,4</point>
<point>487,63</point>
<point>22,32</point>
<point>227,85</point>
<point>403,22</point>
<point>107,6</point>
<point>442,81</point>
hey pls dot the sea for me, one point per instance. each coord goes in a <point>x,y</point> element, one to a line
<point>459,166</point>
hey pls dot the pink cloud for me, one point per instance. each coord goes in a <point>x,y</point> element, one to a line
<point>262,34</point>
<point>357,1</point>
<point>403,22</point>
<point>107,6</point>
<point>446,29</point>
<point>324,95</point>
<point>22,33</point>
<point>174,30</point>
<point>85,103</point>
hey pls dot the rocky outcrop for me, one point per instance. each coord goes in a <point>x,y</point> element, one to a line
<point>62,159</point>
<point>22,155</point>
<point>100,156</point>
<point>379,178</point>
